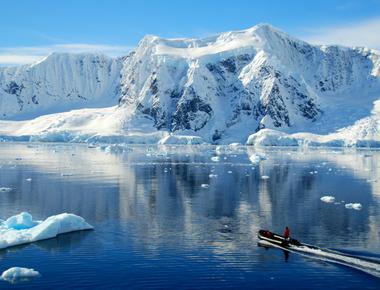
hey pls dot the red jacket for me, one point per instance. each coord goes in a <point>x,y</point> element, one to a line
<point>286,232</point>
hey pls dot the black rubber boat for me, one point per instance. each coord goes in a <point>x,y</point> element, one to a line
<point>277,239</point>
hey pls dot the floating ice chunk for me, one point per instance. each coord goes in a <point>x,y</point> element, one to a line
<point>256,158</point>
<point>219,150</point>
<point>15,274</point>
<point>5,189</point>
<point>21,221</point>
<point>215,158</point>
<point>235,146</point>
<point>212,175</point>
<point>356,206</point>
<point>229,171</point>
<point>66,174</point>
<point>205,185</point>
<point>28,179</point>
<point>265,177</point>
<point>22,229</point>
<point>328,199</point>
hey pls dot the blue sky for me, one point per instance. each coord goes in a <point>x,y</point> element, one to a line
<point>30,29</point>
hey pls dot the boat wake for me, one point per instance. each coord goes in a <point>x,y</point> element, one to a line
<point>370,266</point>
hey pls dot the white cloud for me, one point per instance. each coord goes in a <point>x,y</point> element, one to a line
<point>30,54</point>
<point>365,33</point>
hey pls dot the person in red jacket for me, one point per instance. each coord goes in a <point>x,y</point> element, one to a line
<point>286,233</point>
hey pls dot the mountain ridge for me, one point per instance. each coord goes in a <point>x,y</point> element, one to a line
<point>221,88</point>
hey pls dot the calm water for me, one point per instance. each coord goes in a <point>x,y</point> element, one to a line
<point>157,227</point>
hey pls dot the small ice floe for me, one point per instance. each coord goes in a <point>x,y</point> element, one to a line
<point>165,170</point>
<point>219,150</point>
<point>205,185</point>
<point>234,146</point>
<point>328,199</point>
<point>18,274</point>
<point>265,177</point>
<point>28,179</point>
<point>22,229</point>
<point>66,174</point>
<point>215,158</point>
<point>356,206</point>
<point>212,175</point>
<point>255,158</point>
<point>5,189</point>
<point>229,171</point>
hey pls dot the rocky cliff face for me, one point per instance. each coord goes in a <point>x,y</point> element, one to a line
<point>57,83</point>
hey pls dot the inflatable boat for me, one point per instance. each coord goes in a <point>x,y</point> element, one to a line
<point>277,239</point>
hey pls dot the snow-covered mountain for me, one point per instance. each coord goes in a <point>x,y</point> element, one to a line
<point>58,83</point>
<point>221,88</point>
<point>243,81</point>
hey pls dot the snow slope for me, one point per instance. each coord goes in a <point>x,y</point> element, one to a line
<point>58,83</point>
<point>221,89</point>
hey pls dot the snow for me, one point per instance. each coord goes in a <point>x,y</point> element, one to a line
<point>356,206</point>
<point>22,229</point>
<point>180,140</point>
<point>259,86</point>
<point>347,137</point>
<point>269,137</point>
<point>60,82</point>
<point>16,274</point>
<point>328,199</point>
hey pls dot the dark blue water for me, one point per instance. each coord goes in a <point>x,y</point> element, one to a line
<point>156,227</point>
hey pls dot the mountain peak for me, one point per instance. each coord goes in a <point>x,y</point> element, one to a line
<point>259,37</point>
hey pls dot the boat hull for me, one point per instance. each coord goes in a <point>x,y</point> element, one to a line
<point>277,239</point>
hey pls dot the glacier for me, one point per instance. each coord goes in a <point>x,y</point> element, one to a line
<point>258,86</point>
<point>22,229</point>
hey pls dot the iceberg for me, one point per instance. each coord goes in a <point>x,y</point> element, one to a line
<point>16,274</point>
<point>356,206</point>
<point>22,229</point>
<point>328,199</point>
